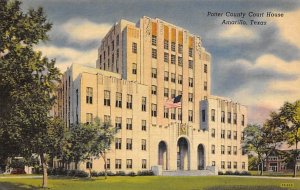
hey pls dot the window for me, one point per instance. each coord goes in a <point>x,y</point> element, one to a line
<point>213,149</point>
<point>173,46</point>
<point>213,114</point>
<point>223,134</point>
<point>243,165</point>
<point>234,165</point>
<point>179,79</point>
<point>106,98</point>
<point>242,137</point>
<point>228,134</point>
<point>134,47</point>
<point>173,113</point>
<point>154,73</point>
<point>117,54</point>
<point>144,103</point>
<point>179,48</point>
<point>213,132</point>
<point>190,115</point>
<point>144,125</point>
<point>144,145</point>
<point>173,59</point>
<point>106,118</point>
<point>118,123</point>
<point>235,118</point>
<point>191,64</point>
<point>166,44</point>
<point>235,150</point>
<point>203,115</point>
<point>117,40</point>
<point>128,144</point>
<point>134,68</point>
<point>173,77</point>
<point>154,39</point>
<point>129,163</point>
<point>144,163</point>
<point>191,82</point>
<point>118,143</point>
<point>166,113</point>
<point>166,76</point>
<point>153,90</point>
<point>179,114</point>
<point>223,117</point>
<point>173,93</point>
<point>129,123</point>
<point>222,164</point>
<point>89,165</point>
<point>119,100</point>
<point>228,117</point>
<point>235,135</point>
<point>222,149</point>
<point>190,97</point>
<point>213,163</point>
<point>129,101</point>
<point>180,61</point>
<point>118,164</point>
<point>229,150</point>
<point>166,57</point>
<point>108,164</point>
<point>153,110</point>
<point>89,95</point>
<point>191,52</point>
<point>243,120</point>
<point>205,68</point>
<point>154,53</point>
<point>89,118</point>
<point>166,92</point>
<point>205,85</point>
<point>229,165</point>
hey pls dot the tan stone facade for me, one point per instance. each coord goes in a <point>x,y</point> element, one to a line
<point>139,67</point>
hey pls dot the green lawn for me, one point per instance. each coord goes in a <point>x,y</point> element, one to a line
<point>149,183</point>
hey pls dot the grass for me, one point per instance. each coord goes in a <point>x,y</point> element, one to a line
<point>273,174</point>
<point>149,183</point>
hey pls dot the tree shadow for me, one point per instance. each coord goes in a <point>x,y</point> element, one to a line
<point>17,186</point>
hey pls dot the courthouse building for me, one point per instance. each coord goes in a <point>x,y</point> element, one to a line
<point>140,67</point>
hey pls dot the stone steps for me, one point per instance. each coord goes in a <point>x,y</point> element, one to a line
<point>188,173</point>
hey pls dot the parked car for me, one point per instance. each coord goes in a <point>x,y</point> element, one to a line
<point>18,171</point>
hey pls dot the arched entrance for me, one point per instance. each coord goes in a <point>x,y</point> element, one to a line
<point>183,157</point>
<point>163,155</point>
<point>201,160</point>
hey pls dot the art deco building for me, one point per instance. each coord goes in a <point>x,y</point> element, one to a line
<point>140,66</point>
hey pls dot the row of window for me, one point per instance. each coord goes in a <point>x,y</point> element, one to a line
<point>229,165</point>
<point>222,118</point>
<point>229,134</point>
<point>230,150</point>
<point>118,164</point>
<point>118,144</point>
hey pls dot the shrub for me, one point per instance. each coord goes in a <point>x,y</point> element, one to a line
<point>80,173</point>
<point>228,173</point>
<point>94,174</point>
<point>131,174</point>
<point>109,173</point>
<point>120,173</point>
<point>145,173</point>
<point>236,173</point>
<point>220,173</point>
<point>245,173</point>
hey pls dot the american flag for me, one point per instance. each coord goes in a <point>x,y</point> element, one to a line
<point>174,102</point>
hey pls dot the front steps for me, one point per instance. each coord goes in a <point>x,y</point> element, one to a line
<point>188,173</point>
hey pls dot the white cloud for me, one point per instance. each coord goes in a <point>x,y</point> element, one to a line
<point>82,30</point>
<point>237,32</point>
<point>289,27</point>
<point>66,56</point>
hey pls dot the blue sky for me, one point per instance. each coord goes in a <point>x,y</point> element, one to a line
<point>258,66</point>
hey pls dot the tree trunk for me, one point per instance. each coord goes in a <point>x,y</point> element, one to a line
<point>295,159</point>
<point>45,174</point>
<point>90,170</point>
<point>105,167</point>
<point>262,167</point>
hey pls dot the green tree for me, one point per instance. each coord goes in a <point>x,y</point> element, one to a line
<point>261,141</point>
<point>105,133</point>
<point>27,85</point>
<point>290,123</point>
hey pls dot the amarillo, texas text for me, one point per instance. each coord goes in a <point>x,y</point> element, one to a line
<point>245,18</point>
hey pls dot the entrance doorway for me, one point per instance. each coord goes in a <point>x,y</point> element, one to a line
<point>163,155</point>
<point>183,158</point>
<point>201,160</point>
